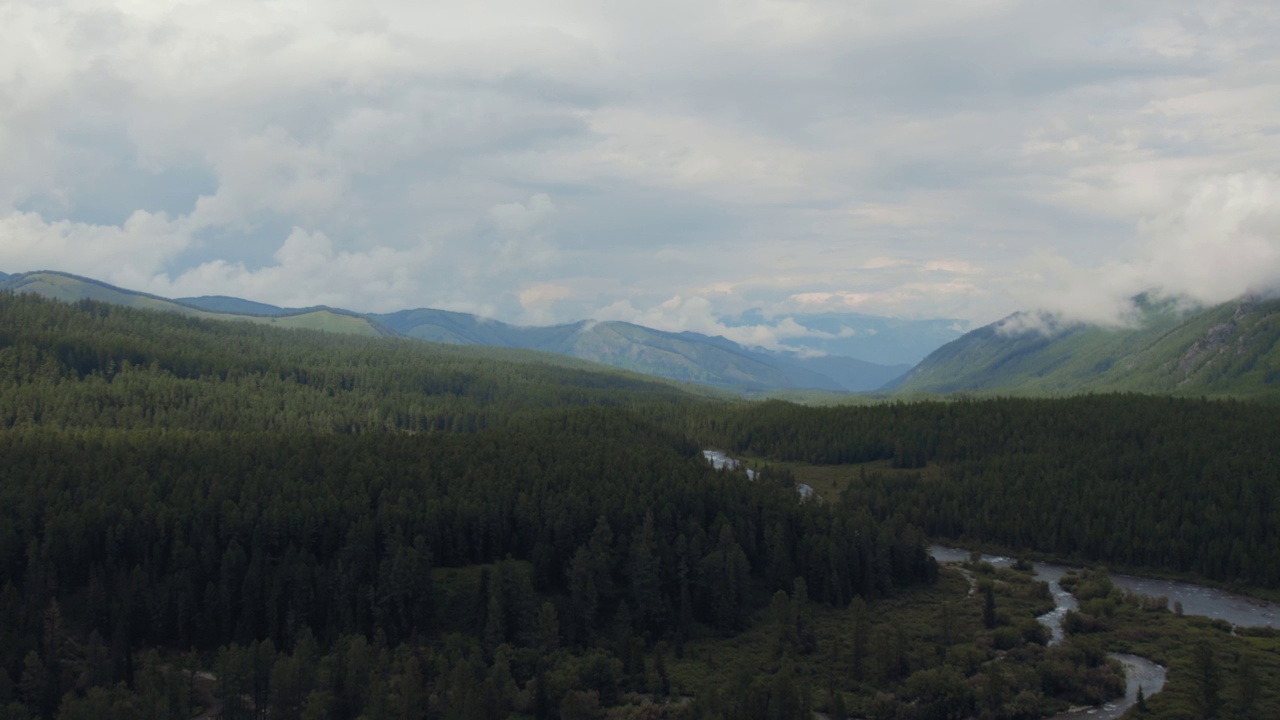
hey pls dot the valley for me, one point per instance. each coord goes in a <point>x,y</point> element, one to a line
<point>342,526</point>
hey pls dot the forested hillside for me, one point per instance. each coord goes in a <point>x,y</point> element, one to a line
<point>1229,350</point>
<point>72,288</point>
<point>1173,484</point>
<point>104,366</point>
<point>265,499</point>
<point>684,357</point>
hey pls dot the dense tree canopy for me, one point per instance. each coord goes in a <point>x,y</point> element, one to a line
<point>338,527</point>
<point>172,483</point>
<point>1174,484</point>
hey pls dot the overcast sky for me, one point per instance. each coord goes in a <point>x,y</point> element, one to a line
<point>671,163</point>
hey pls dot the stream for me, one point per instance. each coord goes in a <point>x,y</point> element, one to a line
<point>720,461</point>
<point>1140,672</point>
<point>1196,600</point>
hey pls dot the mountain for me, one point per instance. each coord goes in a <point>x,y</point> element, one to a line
<point>1228,349</point>
<point>880,340</point>
<point>686,356</point>
<point>849,372</point>
<point>236,306</point>
<point>70,288</point>
<point>450,327</point>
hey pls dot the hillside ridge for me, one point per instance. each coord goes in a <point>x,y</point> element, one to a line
<point>684,356</point>
<point>1229,349</point>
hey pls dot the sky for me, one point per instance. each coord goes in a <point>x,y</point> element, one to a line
<point>681,165</point>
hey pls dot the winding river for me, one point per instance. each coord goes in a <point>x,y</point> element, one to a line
<point>1140,672</point>
<point>1195,599</point>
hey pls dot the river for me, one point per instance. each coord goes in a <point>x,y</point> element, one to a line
<point>720,461</point>
<point>1139,672</point>
<point>1195,599</point>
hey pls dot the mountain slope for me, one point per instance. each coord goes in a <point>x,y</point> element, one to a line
<point>685,357</point>
<point>72,288</point>
<point>850,372</point>
<point>448,327</point>
<point>1229,349</point>
<point>688,357</point>
<point>235,305</point>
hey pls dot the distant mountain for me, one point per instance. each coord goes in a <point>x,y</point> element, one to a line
<point>450,327</point>
<point>849,372</point>
<point>70,288</point>
<point>880,340</point>
<point>4,276</point>
<point>1229,349</point>
<point>236,306</point>
<point>686,357</point>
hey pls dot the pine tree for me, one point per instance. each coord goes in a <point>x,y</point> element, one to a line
<point>1208,681</point>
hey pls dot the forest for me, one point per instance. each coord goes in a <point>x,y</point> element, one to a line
<point>200,516</point>
<point>1177,485</point>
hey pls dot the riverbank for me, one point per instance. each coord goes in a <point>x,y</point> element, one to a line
<point>1205,658</point>
<point>1182,597</point>
<point>1249,593</point>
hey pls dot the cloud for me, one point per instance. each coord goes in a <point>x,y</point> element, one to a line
<point>899,158</point>
<point>271,172</point>
<point>697,314</point>
<point>125,255</point>
<point>1219,240</point>
<point>537,301</point>
<point>308,270</point>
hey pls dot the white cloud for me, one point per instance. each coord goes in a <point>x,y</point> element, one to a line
<point>125,255</point>
<point>270,172</point>
<point>1219,240</point>
<point>698,314</point>
<point>309,271</point>
<point>1222,240</point>
<point>537,301</point>
<point>957,160</point>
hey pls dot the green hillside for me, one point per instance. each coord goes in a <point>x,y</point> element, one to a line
<point>71,288</point>
<point>234,305</point>
<point>1227,350</point>
<point>683,357</point>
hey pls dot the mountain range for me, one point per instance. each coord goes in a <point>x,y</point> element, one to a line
<point>1232,349</point>
<point>684,356</point>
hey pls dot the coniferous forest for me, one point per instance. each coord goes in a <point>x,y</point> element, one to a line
<point>205,517</point>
